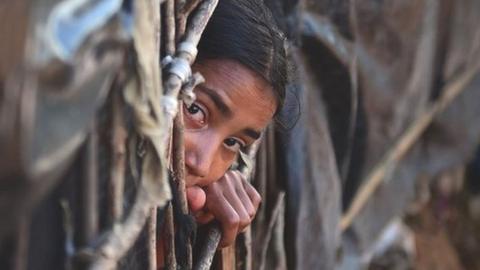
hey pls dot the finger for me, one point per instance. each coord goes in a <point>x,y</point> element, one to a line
<point>196,198</point>
<point>230,193</point>
<point>245,199</point>
<point>255,197</point>
<point>228,218</point>
<point>204,217</point>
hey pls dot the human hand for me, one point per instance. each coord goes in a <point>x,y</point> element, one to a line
<point>233,202</point>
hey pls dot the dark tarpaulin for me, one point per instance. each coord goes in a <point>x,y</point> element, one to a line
<point>376,66</point>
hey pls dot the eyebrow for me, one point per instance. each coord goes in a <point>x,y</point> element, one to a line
<point>252,133</point>
<point>223,108</point>
<point>217,100</point>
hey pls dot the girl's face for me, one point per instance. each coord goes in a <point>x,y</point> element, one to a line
<point>232,108</point>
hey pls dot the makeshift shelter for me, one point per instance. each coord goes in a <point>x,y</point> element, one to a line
<point>383,99</point>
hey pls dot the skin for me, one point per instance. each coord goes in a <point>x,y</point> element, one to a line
<point>232,108</point>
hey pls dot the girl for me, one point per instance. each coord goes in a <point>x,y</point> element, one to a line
<point>242,57</point>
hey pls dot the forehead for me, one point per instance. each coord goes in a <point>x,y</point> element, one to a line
<point>247,94</point>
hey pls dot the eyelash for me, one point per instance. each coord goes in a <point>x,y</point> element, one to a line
<point>241,145</point>
<point>190,113</point>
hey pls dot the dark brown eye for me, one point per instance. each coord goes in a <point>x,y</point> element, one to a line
<point>233,144</point>
<point>193,109</point>
<point>195,116</point>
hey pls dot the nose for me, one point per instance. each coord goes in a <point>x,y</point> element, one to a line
<point>200,151</point>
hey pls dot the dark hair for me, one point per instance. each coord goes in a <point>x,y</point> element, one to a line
<point>245,31</point>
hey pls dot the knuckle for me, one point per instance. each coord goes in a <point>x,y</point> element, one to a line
<point>216,189</point>
<point>227,180</point>
<point>238,175</point>
<point>233,172</point>
<point>245,219</point>
<point>251,212</point>
<point>232,221</point>
<point>245,222</point>
<point>256,197</point>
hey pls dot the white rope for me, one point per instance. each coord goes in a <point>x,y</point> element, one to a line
<point>189,48</point>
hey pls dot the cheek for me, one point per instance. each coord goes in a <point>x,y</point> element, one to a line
<point>223,160</point>
<point>189,139</point>
<point>220,166</point>
<point>204,149</point>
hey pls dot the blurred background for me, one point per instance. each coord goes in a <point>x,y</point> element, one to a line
<point>374,162</point>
